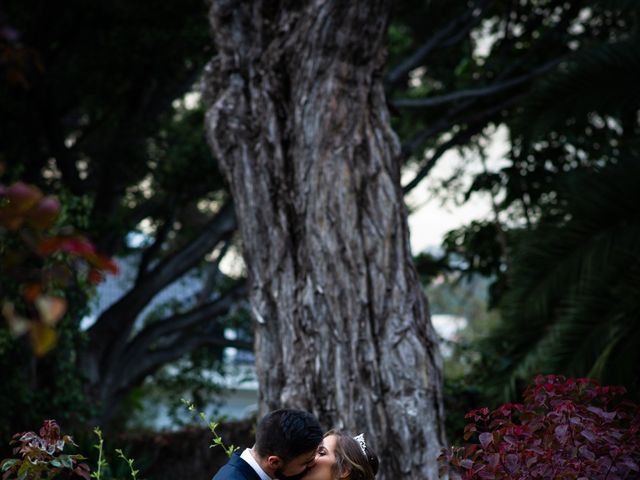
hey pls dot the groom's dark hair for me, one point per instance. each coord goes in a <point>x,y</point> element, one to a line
<point>287,433</point>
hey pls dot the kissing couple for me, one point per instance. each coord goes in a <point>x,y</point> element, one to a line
<point>290,445</point>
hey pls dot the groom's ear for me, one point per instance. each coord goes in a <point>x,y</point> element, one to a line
<point>274,462</point>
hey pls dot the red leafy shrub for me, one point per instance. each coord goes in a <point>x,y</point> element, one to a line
<point>565,429</point>
<point>42,456</point>
<point>38,260</point>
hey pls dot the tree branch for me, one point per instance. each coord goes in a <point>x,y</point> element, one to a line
<point>155,331</point>
<point>475,125</point>
<point>467,20</point>
<point>213,274</point>
<point>420,138</point>
<point>457,139</point>
<point>452,118</point>
<point>153,249</point>
<point>171,338</point>
<point>183,344</point>
<point>476,92</point>
<point>111,330</point>
<point>442,125</point>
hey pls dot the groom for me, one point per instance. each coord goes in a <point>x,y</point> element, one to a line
<point>285,448</point>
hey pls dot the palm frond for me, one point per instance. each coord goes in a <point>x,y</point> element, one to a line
<point>601,79</point>
<point>574,301</point>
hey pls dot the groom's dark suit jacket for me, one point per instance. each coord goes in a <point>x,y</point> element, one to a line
<point>236,469</point>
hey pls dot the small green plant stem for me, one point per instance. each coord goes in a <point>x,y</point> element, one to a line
<point>134,472</point>
<point>217,439</point>
<point>102,463</point>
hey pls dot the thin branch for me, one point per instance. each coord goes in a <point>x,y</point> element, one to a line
<point>115,323</point>
<point>150,252</point>
<point>467,20</point>
<point>442,125</point>
<point>447,122</point>
<point>462,33</point>
<point>451,118</point>
<point>163,337</point>
<point>213,274</point>
<point>153,332</point>
<point>475,124</point>
<point>182,345</point>
<point>476,92</point>
<point>458,139</point>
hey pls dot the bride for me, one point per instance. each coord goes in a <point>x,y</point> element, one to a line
<point>342,457</point>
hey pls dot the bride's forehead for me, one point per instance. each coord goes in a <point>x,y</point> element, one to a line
<point>329,441</point>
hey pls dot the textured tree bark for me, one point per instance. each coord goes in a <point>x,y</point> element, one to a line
<point>298,120</point>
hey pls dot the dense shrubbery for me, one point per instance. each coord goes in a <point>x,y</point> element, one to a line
<point>566,428</point>
<point>41,455</point>
<point>46,275</point>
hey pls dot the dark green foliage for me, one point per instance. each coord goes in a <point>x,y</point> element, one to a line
<point>98,114</point>
<point>34,375</point>
<point>93,111</point>
<point>106,77</point>
<point>561,246</point>
<point>573,304</point>
<point>459,396</point>
<point>51,386</point>
<point>602,78</point>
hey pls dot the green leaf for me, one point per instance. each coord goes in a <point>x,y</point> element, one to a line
<point>24,470</point>
<point>8,463</point>
<point>66,461</point>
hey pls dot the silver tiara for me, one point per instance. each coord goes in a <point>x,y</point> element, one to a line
<point>361,442</point>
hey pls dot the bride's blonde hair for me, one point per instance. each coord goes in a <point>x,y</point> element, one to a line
<point>361,465</point>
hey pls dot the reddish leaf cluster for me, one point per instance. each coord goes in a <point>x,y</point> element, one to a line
<point>40,259</point>
<point>24,204</point>
<point>79,247</point>
<point>42,456</point>
<point>565,429</point>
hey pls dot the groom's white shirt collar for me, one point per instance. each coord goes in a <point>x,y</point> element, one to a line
<point>248,457</point>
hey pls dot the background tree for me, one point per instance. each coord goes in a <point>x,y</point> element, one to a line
<point>298,119</point>
<point>558,77</point>
<point>99,90</point>
<point>581,242</point>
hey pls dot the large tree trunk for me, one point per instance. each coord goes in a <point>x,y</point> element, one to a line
<point>299,123</point>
